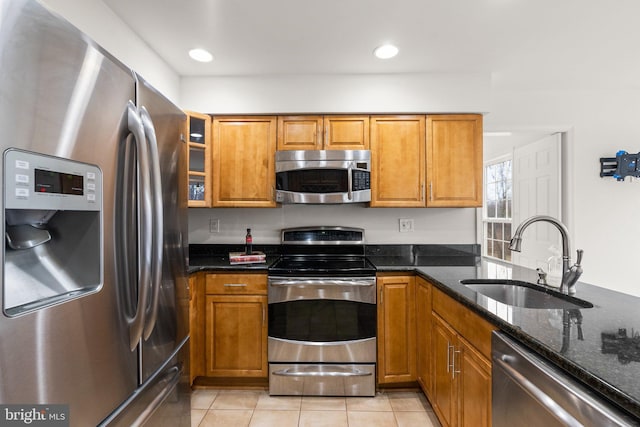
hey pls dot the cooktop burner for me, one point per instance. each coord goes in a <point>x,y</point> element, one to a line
<point>338,265</point>
<point>327,251</point>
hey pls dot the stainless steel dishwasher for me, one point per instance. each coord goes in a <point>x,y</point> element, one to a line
<point>528,390</point>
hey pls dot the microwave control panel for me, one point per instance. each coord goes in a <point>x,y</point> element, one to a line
<point>361,180</point>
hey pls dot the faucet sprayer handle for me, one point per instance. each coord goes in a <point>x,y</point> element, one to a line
<point>542,276</point>
<point>579,256</point>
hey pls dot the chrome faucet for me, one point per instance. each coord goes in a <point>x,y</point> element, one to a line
<point>570,274</point>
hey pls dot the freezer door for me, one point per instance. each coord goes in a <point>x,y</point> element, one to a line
<point>167,319</point>
<point>63,96</point>
<point>163,400</point>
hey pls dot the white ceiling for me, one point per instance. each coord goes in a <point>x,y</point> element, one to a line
<point>533,42</point>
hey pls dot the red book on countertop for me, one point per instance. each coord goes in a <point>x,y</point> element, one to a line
<point>255,257</point>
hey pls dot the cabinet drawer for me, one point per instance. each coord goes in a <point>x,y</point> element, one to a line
<point>471,326</point>
<point>236,284</point>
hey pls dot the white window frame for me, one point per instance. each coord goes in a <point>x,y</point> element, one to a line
<point>485,219</point>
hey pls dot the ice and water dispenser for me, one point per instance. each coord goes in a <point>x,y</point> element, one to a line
<point>53,239</point>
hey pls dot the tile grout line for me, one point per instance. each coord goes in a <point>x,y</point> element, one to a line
<point>346,411</point>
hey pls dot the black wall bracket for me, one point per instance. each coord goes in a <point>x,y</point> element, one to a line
<point>620,166</point>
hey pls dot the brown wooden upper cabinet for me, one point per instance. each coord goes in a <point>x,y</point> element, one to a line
<point>244,161</point>
<point>454,160</point>
<point>426,161</point>
<point>397,161</point>
<point>323,133</point>
<point>199,159</point>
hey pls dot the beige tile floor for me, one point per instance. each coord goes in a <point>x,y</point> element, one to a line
<point>229,408</point>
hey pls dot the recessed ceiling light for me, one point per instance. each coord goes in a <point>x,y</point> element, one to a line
<point>386,51</point>
<point>200,55</point>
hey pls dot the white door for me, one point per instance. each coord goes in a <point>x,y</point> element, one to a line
<point>537,191</point>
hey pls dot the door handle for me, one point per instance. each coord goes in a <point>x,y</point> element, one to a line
<point>135,126</point>
<point>155,189</point>
<point>454,371</point>
<point>289,372</point>
<point>350,182</point>
<point>536,393</point>
<point>451,360</point>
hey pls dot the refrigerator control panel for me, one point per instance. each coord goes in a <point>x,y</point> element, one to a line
<point>39,181</point>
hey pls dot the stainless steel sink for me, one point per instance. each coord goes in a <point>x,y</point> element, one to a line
<point>524,294</point>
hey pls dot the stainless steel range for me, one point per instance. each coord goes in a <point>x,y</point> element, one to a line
<point>322,314</point>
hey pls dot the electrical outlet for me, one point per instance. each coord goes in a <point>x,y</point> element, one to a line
<point>406,225</point>
<point>214,225</point>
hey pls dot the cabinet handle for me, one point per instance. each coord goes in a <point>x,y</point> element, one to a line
<point>431,190</point>
<point>422,192</point>
<point>455,371</point>
<point>235,285</point>
<point>449,347</point>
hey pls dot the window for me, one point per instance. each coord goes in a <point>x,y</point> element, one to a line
<point>498,205</point>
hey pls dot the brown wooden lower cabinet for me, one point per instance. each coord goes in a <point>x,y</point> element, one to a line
<point>424,335</point>
<point>444,378</point>
<point>474,389</point>
<point>236,332</point>
<point>229,325</point>
<point>461,351</point>
<point>396,329</point>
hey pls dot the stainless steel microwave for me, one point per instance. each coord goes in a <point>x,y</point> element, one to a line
<point>323,176</point>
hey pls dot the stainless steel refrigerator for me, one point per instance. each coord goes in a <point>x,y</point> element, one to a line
<point>94,320</point>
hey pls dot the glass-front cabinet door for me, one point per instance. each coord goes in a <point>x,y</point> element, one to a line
<point>199,159</point>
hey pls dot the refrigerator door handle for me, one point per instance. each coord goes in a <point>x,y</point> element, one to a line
<point>136,324</point>
<point>158,221</point>
<point>170,380</point>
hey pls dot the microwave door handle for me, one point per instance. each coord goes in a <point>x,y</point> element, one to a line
<point>155,191</point>
<point>134,123</point>
<point>350,182</point>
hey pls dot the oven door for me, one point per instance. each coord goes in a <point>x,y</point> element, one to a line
<point>322,320</point>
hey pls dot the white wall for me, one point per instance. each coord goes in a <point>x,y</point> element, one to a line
<point>603,219</point>
<point>381,225</point>
<point>338,93</point>
<point>99,22</point>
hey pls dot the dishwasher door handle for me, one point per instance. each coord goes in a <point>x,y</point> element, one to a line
<point>539,395</point>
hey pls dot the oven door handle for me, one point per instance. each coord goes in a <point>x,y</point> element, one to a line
<point>321,373</point>
<point>350,182</point>
<point>283,282</point>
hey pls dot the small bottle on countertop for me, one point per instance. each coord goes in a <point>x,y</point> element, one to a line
<point>248,242</point>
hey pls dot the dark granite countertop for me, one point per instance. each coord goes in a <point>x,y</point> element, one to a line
<point>216,257</point>
<point>576,346</point>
